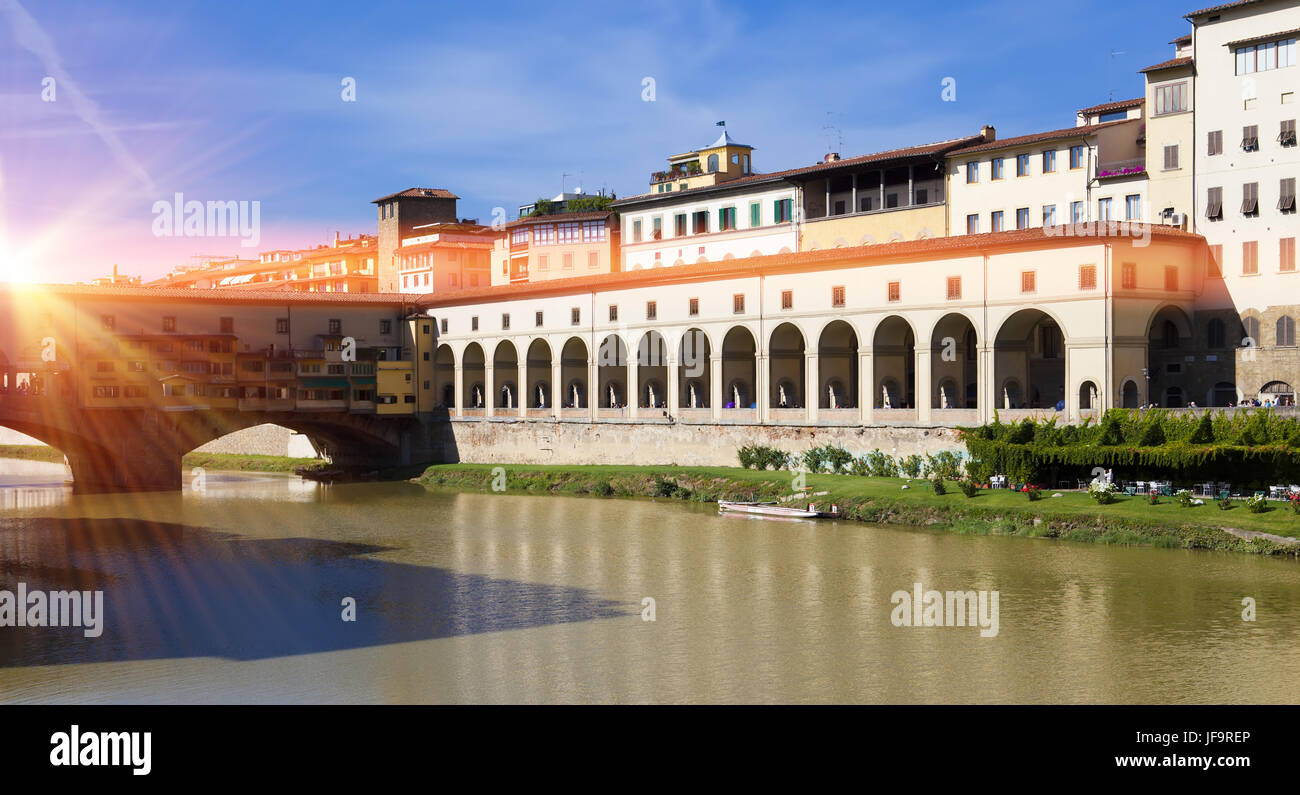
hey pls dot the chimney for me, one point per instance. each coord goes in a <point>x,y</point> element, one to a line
<point>336,238</point>
<point>989,133</point>
<point>831,157</point>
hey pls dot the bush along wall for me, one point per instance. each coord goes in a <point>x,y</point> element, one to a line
<point>1244,448</point>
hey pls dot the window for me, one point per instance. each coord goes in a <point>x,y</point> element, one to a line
<point>568,259</point>
<point>1214,333</point>
<point>227,325</point>
<point>1286,332</point>
<point>613,313</point>
<point>1250,138</point>
<point>781,210</point>
<point>169,324</point>
<point>787,299</point>
<point>282,325</point>
<point>726,219</point>
<point>996,166</point>
<point>473,323</point>
<point>1215,146</point>
<point>1171,157</point>
<point>1133,207</point>
<point>693,307</point>
<point>335,326</point>
<point>1129,275</point>
<point>1250,199</point>
<point>1049,161</point>
<point>505,321</point>
<point>954,288</point>
<point>1286,255</point>
<point>1028,281</point>
<point>1287,136</point>
<point>519,237</point>
<point>537,319</point>
<point>103,367</point>
<point>543,262</point>
<point>567,233</point>
<point>1076,156</point>
<point>1022,165</point>
<point>651,310</point>
<point>996,221</point>
<point>679,225</point>
<point>972,173</point>
<point>755,214</point>
<point>1022,218</point>
<point>1171,98</point>
<point>1049,215</point>
<point>712,163</point>
<point>636,231</point>
<point>738,303</point>
<point>442,324</point>
<point>893,291</point>
<point>867,204</point>
<point>575,316</point>
<point>593,260</point>
<point>657,227</point>
<point>840,207</point>
<point>1286,195</point>
<point>1265,57</point>
<point>700,222</point>
<point>1087,277</point>
<point>385,327</point>
<point>973,224</point>
<point>837,295</point>
<point>1214,204</point>
<point>593,232</point>
<point>1250,332</point>
<point>922,196</point>
<point>1214,265</point>
<point>1249,258</point>
<point>1171,278</point>
<point>1077,213</point>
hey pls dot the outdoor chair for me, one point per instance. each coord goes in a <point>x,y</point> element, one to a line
<point>1166,491</point>
<point>1224,494</point>
<point>1131,490</point>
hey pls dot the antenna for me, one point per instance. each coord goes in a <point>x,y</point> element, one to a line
<point>834,137</point>
<point>1110,96</point>
<point>563,177</point>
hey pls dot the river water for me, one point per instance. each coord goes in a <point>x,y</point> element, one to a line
<point>235,592</point>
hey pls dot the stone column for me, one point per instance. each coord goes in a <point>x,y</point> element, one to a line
<point>489,390</point>
<point>674,385</point>
<point>633,389</point>
<point>866,387</point>
<point>593,388</point>
<point>811,387</point>
<point>924,400</point>
<point>557,390</point>
<point>715,386</point>
<point>762,388</point>
<point>522,387</point>
<point>990,399</point>
<point>458,379</point>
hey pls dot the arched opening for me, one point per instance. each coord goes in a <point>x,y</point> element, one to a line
<point>739,369</point>
<point>538,370</point>
<point>695,372</point>
<point>505,375</point>
<point>444,377</point>
<point>1168,337</point>
<point>573,373</point>
<point>611,371</point>
<point>1174,398</point>
<point>472,375</point>
<point>837,366</point>
<point>785,357</point>
<point>652,371</point>
<point>1029,351</point>
<point>954,367</point>
<point>1277,393</point>
<point>1088,396</point>
<point>1223,394</point>
<point>1129,395</point>
<point>894,357</point>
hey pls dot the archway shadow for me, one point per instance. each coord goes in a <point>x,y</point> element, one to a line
<point>173,591</point>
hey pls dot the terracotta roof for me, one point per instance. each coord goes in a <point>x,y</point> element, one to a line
<point>1184,39</point>
<point>418,193</point>
<point>1285,34</point>
<point>1107,107</point>
<point>960,245</point>
<point>1167,65</point>
<point>1223,7</point>
<point>1054,135</point>
<point>262,296</point>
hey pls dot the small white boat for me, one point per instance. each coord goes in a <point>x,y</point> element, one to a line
<point>766,509</point>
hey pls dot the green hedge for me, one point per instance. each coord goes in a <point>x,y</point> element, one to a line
<point>1244,448</point>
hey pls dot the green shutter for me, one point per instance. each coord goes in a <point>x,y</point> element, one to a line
<point>755,211</point>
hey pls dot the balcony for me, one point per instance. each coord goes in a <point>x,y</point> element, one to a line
<point>1113,169</point>
<point>683,172</point>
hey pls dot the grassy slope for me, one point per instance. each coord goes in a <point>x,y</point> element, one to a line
<point>218,461</point>
<point>1074,515</point>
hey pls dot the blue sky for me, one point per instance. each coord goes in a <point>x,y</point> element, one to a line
<point>494,101</point>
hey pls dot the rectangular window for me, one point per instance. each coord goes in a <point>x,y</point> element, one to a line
<point>1028,281</point>
<point>1049,161</point>
<point>781,210</point>
<point>893,291</point>
<point>954,288</point>
<point>169,324</point>
<point>1049,215</point>
<point>1171,157</point>
<point>1215,144</point>
<point>726,219</point>
<point>442,325</point>
<point>568,259</point>
<point>593,260</point>
<point>738,303</point>
<point>837,296</point>
<point>613,313</point>
<point>1250,138</point>
<point>787,299</point>
<point>1077,213</point>
<point>1171,98</point>
<point>282,325</point>
<point>567,233</point>
<point>227,325</point>
<point>335,326</point>
<point>1022,165</point>
<point>575,316</point>
<point>1214,204</point>
<point>996,166</point>
<point>1087,277</point>
<point>1171,278</point>
<point>995,223</point>
<point>1286,136</point>
<point>651,310</point>
<point>1286,255</point>
<point>1286,195</point>
<point>693,307</point>
<point>1133,207</point>
<point>972,224</point>
<point>679,225</point>
<point>593,231</point>
<point>657,227</point>
<point>972,173</point>
<point>537,319</point>
<point>1022,218</point>
<point>1250,199</point>
<point>755,214</point>
<point>840,207</point>
<point>1076,156</point>
<point>473,323</point>
<point>1249,258</point>
<point>1129,275</point>
<point>385,327</point>
<point>1214,263</point>
<point>700,222</point>
<point>636,231</point>
<point>505,321</point>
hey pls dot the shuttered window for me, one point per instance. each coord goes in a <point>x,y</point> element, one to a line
<point>1250,198</point>
<point>1286,195</point>
<point>1214,204</point>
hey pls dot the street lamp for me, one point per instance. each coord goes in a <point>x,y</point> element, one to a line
<point>1146,376</point>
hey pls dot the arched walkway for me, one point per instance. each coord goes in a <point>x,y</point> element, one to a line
<point>694,370</point>
<point>444,377</point>
<point>837,366</point>
<point>472,371</point>
<point>893,350</point>
<point>954,363</point>
<point>652,371</point>
<point>611,371</point>
<point>505,376</point>
<point>785,357</point>
<point>739,369</point>
<point>573,373</point>
<point>538,370</point>
<point>1029,361</point>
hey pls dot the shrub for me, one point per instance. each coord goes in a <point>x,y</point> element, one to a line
<point>814,458</point>
<point>837,458</point>
<point>665,487</point>
<point>1294,500</point>
<point>1103,491</point>
<point>1034,493</point>
<point>1153,497</point>
<point>968,487</point>
<point>938,485</point>
<point>946,464</point>
<point>760,457</point>
<point>911,466</point>
<point>604,489</point>
<point>1225,503</point>
<point>881,465</point>
<point>1184,498</point>
<point>1256,503</point>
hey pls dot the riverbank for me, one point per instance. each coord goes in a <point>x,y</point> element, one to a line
<point>229,462</point>
<point>1073,516</point>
